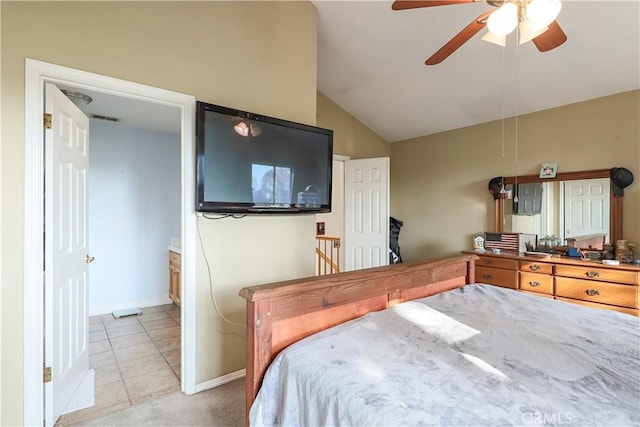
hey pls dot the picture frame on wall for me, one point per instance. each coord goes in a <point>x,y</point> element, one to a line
<point>549,170</point>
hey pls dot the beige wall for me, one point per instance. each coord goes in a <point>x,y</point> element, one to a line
<point>350,137</point>
<point>256,56</point>
<point>439,182</point>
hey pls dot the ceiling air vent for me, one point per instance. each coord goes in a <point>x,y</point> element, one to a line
<point>106,118</point>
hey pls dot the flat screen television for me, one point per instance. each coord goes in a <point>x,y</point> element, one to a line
<point>248,163</point>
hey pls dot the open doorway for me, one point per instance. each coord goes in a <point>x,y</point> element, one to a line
<point>359,217</point>
<point>133,210</point>
<point>35,305</point>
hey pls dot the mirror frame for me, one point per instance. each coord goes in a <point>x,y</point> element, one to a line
<point>615,202</point>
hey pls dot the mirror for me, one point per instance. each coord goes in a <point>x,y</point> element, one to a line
<point>553,218</point>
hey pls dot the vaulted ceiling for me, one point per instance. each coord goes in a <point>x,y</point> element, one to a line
<point>371,63</point>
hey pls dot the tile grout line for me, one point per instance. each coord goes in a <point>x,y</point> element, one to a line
<point>169,311</point>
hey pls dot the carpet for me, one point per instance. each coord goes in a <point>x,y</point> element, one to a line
<point>84,397</point>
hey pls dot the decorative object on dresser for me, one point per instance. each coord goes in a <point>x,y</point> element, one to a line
<point>478,242</point>
<point>519,242</point>
<point>624,251</point>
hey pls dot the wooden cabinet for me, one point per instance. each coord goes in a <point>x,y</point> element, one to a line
<point>599,287</point>
<point>174,276</point>
<point>535,277</point>
<point>577,281</point>
<point>497,271</point>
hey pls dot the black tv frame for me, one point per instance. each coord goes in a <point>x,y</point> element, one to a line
<point>240,208</point>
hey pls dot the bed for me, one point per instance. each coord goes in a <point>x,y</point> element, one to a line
<point>422,344</point>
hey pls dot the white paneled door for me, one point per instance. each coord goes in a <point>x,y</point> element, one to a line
<point>66,250</point>
<point>586,207</point>
<point>366,206</point>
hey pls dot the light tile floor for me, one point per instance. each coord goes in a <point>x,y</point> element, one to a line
<point>136,358</point>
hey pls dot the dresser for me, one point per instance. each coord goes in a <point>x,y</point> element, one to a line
<point>589,283</point>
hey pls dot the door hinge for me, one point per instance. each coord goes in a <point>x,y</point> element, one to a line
<point>47,120</point>
<point>46,377</point>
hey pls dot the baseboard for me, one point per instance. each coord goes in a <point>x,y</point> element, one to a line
<point>216,382</point>
<point>141,302</point>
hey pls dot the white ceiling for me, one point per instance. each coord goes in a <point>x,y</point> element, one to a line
<point>371,63</point>
<point>131,112</point>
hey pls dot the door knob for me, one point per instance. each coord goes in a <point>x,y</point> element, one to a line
<point>89,259</point>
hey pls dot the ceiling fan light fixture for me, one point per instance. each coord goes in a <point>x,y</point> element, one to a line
<point>504,20</point>
<point>527,33</point>
<point>492,38</point>
<point>242,129</point>
<point>541,13</point>
<point>77,98</point>
<point>247,129</point>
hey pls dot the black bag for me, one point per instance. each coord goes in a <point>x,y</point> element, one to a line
<point>394,232</point>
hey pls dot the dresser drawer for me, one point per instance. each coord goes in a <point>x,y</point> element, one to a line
<point>532,282</point>
<point>497,276</point>
<point>510,264</point>
<point>595,273</point>
<point>536,267</point>
<point>601,292</point>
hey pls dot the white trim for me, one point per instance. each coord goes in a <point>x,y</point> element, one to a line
<point>216,382</point>
<point>340,158</point>
<point>33,253</point>
<point>36,74</point>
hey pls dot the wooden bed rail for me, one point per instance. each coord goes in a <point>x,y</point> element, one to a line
<point>279,314</point>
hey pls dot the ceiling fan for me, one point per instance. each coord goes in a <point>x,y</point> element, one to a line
<point>535,20</point>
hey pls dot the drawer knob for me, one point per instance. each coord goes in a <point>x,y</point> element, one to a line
<point>487,276</point>
<point>487,262</point>
<point>534,267</point>
<point>592,273</point>
<point>534,284</point>
<point>592,292</point>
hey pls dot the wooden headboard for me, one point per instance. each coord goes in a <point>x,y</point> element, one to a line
<point>279,314</point>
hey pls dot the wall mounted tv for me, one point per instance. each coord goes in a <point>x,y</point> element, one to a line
<point>248,163</point>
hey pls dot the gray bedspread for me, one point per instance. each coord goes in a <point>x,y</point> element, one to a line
<point>479,355</point>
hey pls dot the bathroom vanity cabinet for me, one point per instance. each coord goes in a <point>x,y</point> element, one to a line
<point>174,276</point>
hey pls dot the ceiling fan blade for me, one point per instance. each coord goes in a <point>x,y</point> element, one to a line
<point>551,38</point>
<point>409,4</point>
<point>459,39</point>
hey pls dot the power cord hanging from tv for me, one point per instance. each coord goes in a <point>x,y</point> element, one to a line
<point>206,260</point>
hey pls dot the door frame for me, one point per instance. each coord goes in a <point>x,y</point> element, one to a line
<point>36,74</point>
